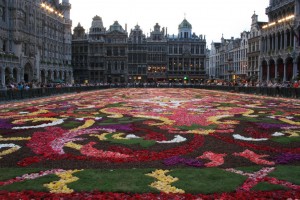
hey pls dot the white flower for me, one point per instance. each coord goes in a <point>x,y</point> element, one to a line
<point>289,117</point>
<point>177,139</point>
<point>23,113</point>
<point>54,123</point>
<point>131,136</point>
<point>277,134</point>
<point>9,145</point>
<point>239,137</point>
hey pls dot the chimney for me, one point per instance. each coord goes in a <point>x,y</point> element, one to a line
<point>126,27</point>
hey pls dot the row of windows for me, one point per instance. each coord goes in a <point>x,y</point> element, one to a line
<point>193,49</point>
<point>172,49</point>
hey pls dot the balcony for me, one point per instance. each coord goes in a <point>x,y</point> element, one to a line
<point>8,58</point>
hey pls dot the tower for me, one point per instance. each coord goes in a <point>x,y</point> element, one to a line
<point>66,7</point>
<point>185,29</point>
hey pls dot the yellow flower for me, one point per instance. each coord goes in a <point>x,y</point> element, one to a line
<point>61,185</point>
<point>88,123</point>
<point>164,181</point>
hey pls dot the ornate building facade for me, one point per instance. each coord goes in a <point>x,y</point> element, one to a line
<point>254,47</point>
<point>116,54</point>
<point>137,56</point>
<point>228,59</point>
<point>117,57</point>
<point>280,41</point>
<point>157,55</point>
<point>35,41</point>
<point>186,55</point>
<point>101,55</point>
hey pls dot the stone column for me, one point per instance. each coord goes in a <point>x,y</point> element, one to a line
<point>283,43</point>
<point>292,39</point>
<point>18,76</point>
<point>284,71</point>
<point>268,43</point>
<point>63,75</point>
<point>22,74</point>
<point>46,76</point>
<point>295,70</point>
<point>52,75</point>
<point>259,73</point>
<point>268,72</point>
<point>276,42</point>
<point>285,40</point>
<point>72,78</point>
<point>276,70</point>
<point>2,74</point>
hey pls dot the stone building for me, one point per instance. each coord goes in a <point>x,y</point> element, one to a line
<point>157,55</point>
<point>254,46</point>
<point>214,61</point>
<point>80,55</point>
<point>101,55</point>
<point>137,56</point>
<point>114,57</point>
<point>35,41</point>
<point>116,54</point>
<point>228,59</point>
<point>280,41</point>
<point>186,55</point>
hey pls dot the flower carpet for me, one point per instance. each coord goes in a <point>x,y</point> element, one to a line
<point>150,144</point>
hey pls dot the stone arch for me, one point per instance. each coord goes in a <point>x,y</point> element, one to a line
<point>28,73</point>
<point>49,77</point>
<point>264,47</point>
<point>70,77</point>
<point>8,76</point>
<point>270,40</point>
<point>277,37</point>
<point>15,74</point>
<point>297,75</point>
<point>55,75</point>
<point>60,75</point>
<point>280,69</point>
<point>272,69</point>
<point>65,76</point>
<point>288,38</point>
<point>289,68</point>
<point>43,76</point>
<point>264,70</point>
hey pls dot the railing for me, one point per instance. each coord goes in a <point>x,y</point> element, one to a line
<point>9,95</point>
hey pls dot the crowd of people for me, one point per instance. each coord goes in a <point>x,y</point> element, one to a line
<point>272,84</point>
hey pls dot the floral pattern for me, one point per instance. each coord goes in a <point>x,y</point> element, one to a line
<point>157,127</point>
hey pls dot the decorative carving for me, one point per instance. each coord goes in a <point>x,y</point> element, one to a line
<point>20,14</point>
<point>1,11</point>
<point>31,20</point>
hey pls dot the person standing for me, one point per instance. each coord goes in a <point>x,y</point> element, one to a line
<point>296,86</point>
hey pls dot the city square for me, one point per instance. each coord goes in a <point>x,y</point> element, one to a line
<point>149,100</point>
